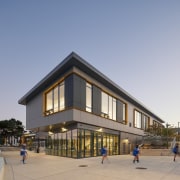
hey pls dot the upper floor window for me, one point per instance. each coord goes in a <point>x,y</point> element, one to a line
<point>104,104</point>
<point>61,96</point>
<point>54,99</point>
<point>49,101</point>
<point>114,109</point>
<point>88,97</point>
<point>145,122</point>
<point>56,104</point>
<point>137,119</point>
<point>124,113</point>
<point>108,106</point>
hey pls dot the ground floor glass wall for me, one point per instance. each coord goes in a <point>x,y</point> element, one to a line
<point>81,143</point>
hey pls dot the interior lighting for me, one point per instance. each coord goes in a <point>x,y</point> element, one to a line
<point>63,129</point>
<point>99,130</point>
<point>50,133</point>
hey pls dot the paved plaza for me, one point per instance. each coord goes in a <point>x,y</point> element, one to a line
<point>44,167</point>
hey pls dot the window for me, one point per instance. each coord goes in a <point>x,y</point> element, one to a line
<point>114,109</point>
<point>88,97</point>
<point>54,99</point>
<point>104,104</point>
<point>61,97</point>
<point>108,106</point>
<point>137,119</point>
<point>49,101</point>
<point>145,122</point>
<point>124,112</point>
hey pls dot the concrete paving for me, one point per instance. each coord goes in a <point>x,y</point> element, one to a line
<point>44,167</point>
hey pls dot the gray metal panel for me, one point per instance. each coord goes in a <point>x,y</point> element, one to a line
<point>69,92</point>
<point>96,100</point>
<point>79,92</point>
<point>119,111</point>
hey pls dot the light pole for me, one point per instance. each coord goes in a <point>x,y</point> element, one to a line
<point>167,134</point>
<point>168,125</point>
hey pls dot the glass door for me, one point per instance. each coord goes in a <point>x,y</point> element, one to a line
<point>97,144</point>
<point>88,143</point>
<point>80,143</point>
<point>63,145</point>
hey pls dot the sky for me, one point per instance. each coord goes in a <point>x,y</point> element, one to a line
<point>136,43</point>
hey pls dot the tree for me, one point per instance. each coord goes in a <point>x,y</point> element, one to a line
<point>155,130</point>
<point>9,130</point>
<point>170,132</point>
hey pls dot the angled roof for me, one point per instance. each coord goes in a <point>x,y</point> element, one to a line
<point>74,59</point>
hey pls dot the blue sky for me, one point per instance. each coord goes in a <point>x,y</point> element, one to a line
<point>136,43</point>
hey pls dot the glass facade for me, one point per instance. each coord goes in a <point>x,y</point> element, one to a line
<point>81,143</point>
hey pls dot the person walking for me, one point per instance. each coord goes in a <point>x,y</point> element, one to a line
<point>175,151</point>
<point>23,153</point>
<point>136,154</point>
<point>104,153</point>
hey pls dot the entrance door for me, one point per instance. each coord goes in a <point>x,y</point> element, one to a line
<point>111,142</point>
<point>97,143</point>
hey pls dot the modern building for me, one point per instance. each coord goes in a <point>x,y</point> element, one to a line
<point>81,110</point>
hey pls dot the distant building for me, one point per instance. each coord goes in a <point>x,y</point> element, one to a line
<point>82,110</point>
